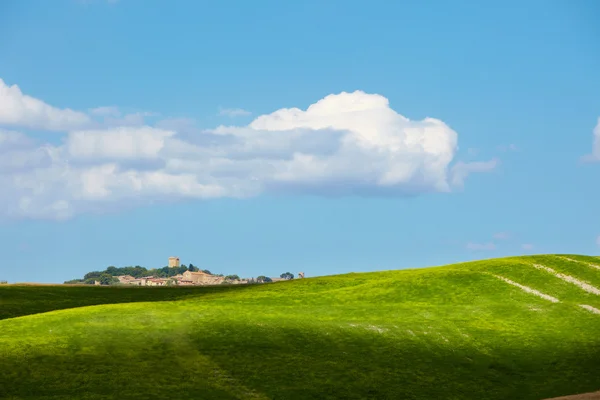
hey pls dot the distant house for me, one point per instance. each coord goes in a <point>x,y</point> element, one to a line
<point>196,277</point>
<point>156,282</point>
<point>201,278</point>
<point>125,278</point>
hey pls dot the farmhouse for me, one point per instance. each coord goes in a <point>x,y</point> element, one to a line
<point>126,279</point>
<point>201,278</point>
<point>156,282</point>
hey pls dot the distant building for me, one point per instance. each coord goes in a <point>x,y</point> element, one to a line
<point>173,262</point>
<point>201,278</point>
<point>125,279</point>
<point>300,274</point>
<point>156,282</point>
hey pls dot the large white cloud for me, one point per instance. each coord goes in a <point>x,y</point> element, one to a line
<point>349,143</point>
<point>18,109</point>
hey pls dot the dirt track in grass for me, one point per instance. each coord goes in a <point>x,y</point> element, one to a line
<point>584,396</point>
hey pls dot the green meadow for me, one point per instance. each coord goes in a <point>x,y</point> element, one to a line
<point>453,332</point>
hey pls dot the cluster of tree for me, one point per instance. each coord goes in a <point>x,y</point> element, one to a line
<point>91,277</point>
<point>3,282</point>
<point>266,279</point>
<point>287,275</point>
<point>110,274</point>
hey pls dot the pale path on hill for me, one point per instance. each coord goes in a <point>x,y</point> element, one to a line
<point>528,289</point>
<point>580,262</point>
<point>585,396</point>
<point>590,308</point>
<point>567,278</point>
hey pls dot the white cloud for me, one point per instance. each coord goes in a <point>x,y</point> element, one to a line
<point>481,246</point>
<point>501,235</point>
<point>132,119</point>
<point>18,109</point>
<point>527,246</point>
<point>11,139</point>
<point>107,111</point>
<point>344,144</point>
<point>595,156</point>
<point>118,143</point>
<point>461,170</point>
<point>177,124</point>
<point>510,147</point>
<point>113,117</point>
<point>233,112</point>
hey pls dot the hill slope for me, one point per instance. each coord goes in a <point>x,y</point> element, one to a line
<point>513,328</point>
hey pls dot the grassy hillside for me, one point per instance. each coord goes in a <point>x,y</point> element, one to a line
<point>458,332</point>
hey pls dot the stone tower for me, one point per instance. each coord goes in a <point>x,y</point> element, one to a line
<point>173,262</point>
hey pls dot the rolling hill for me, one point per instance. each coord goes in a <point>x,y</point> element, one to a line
<point>511,328</point>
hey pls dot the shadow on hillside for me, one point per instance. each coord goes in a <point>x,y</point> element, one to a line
<point>296,364</point>
<point>228,360</point>
<point>21,300</point>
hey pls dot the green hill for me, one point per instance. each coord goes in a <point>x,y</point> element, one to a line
<point>464,331</point>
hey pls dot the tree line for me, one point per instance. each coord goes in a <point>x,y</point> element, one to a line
<point>110,274</point>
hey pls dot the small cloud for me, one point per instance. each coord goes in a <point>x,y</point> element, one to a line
<point>19,109</point>
<point>595,156</point>
<point>510,147</point>
<point>527,246</point>
<point>501,235</point>
<point>233,112</point>
<point>112,116</point>
<point>177,124</point>
<point>109,111</point>
<point>481,246</point>
<point>461,170</point>
<point>23,247</point>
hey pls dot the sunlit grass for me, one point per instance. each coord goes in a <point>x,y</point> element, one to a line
<point>453,332</point>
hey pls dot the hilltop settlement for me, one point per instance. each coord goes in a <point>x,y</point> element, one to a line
<point>174,274</point>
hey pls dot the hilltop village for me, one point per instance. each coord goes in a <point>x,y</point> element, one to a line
<point>185,276</point>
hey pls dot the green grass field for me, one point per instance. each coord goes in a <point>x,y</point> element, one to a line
<point>454,332</point>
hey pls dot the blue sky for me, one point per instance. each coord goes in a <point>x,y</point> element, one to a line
<point>131,131</point>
